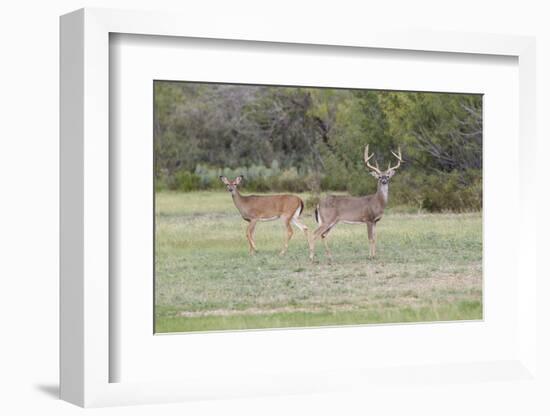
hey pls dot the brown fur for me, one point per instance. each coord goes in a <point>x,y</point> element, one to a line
<point>366,209</point>
<point>254,208</point>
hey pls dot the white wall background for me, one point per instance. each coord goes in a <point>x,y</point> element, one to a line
<point>29,198</point>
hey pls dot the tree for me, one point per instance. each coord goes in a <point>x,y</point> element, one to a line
<point>443,132</point>
<point>318,133</point>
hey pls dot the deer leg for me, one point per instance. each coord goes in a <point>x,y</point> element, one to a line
<point>322,231</point>
<point>302,227</point>
<point>288,235</point>
<point>250,236</point>
<point>371,227</point>
<point>325,242</point>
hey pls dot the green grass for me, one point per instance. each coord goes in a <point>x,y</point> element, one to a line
<point>428,268</point>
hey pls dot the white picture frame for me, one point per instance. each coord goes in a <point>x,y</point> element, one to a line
<point>86,357</point>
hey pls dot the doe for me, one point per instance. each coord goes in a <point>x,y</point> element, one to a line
<point>254,208</point>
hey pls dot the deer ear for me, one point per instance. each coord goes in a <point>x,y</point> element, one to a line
<point>391,173</point>
<point>224,180</point>
<point>373,173</point>
<point>238,179</point>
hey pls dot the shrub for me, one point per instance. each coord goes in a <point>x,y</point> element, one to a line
<point>160,184</point>
<point>359,185</point>
<point>208,178</point>
<point>311,202</point>
<point>455,191</point>
<point>452,192</point>
<point>313,182</point>
<point>334,182</point>
<point>259,184</point>
<point>185,181</point>
<point>407,189</point>
<point>290,181</point>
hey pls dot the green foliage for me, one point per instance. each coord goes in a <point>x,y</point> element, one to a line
<point>336,177</point>
<point>185,181</point>
<point>286,139</point>
<point>311,202</point>
<point>438,193</point>
<point>257,178</point>
<point>289,180</point>
<point>428,192</point>
<point>448,193</point>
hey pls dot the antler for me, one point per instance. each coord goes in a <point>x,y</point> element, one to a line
<point>367,158</point>
<point>399,160</point>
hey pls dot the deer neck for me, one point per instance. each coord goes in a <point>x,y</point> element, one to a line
<point>382,193</point>
<point>238,200</point>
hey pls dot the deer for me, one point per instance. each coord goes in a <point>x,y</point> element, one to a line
<point>255,208</point>
<point>355,210</point>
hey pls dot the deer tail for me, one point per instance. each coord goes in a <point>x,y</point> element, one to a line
<point>318,216</point>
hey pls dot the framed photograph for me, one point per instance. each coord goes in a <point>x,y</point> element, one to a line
<point>273,214</point>
<point>302,150</point>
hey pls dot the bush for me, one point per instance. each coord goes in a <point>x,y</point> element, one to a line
<point>257,178</point>
<point>313,182</point>
<point>257,185</point>
<point>311,202</point>
<point>407,189</point>
<point>452,192</point>
<point>359,185</point>
<point>289,181</point>
<point>160,184</point>
<point>335,182</point>
<point>455,191</point>
<point>185,181</point>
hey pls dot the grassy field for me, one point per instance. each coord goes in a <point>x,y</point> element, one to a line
<point>428,268</point>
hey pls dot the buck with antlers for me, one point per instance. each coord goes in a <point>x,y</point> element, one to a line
<point>254,208</point>
<point>355,210</point>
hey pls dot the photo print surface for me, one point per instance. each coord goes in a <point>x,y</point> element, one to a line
<point>279,207</point>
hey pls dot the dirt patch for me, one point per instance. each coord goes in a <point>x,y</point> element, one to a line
<point>265,311</point>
